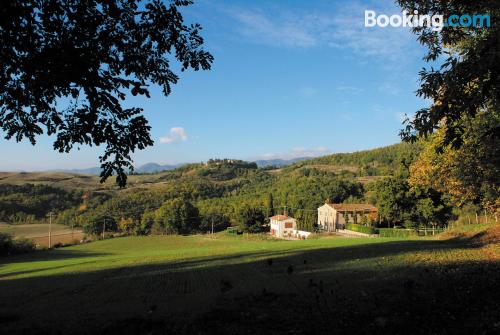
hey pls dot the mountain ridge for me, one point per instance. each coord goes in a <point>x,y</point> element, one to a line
<point>153,167</point>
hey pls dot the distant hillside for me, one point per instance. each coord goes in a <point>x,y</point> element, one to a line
<point>155,167</point>
<point>92,170</point>
<point>279,162</point>
<point>146,168</point>
<point>217,186</point>
<point>362,165</point>
<point>373,162</point>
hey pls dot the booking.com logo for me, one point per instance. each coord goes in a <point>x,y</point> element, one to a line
<point>436,22</point>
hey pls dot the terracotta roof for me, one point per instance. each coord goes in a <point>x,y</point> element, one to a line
<point>353,207</point>
<point>280,217</point>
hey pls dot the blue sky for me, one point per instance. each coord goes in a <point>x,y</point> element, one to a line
<point>290,78</point>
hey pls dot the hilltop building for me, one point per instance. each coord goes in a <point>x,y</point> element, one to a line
<point>332,217</point>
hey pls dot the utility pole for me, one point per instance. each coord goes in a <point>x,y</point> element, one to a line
<point>103,228</point>
<point>212,225</point>
<point>50,230</point>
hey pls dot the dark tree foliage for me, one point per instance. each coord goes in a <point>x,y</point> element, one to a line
<point>67,66</point>
<point>99,223</point>
<point>218,221</point>
<point>468,79</point>
<point>251,219</point>
<point>178,216</point>
<point>411,207</point>
<point>27,203</point>
<point>270,205</point>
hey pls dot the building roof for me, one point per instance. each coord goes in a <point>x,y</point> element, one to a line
<point>353,207</point>
<point>281,218</point>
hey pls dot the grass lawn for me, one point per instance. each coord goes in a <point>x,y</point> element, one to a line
<point>237,284</point>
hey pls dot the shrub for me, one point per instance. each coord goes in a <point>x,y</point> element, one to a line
<point>127,225</point>
<point>361,229</point>
<point>5,243</point>
<point>147,222</point>
<point>9,246</point>
<point>392,232</point>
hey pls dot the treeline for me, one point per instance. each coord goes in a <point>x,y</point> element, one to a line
<point>193,205</point>
<point>174,216</point>
<point>375,162</point>
<point>411,206</point>
<point>226,193</point>
<point>29,203</point>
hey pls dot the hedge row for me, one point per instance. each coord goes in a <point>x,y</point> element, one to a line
<point>9,246</point>
<point>388,232</point>
<point>391,232</point>
<point>361,229</point>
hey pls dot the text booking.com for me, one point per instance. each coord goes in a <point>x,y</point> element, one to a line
<point>436,22</point>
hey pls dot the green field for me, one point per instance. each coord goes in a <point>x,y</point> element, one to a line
<point>250,284</point>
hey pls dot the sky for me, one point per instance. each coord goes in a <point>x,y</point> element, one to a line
<point>290,79</point>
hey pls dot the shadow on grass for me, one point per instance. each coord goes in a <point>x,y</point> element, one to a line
<point>288,291</point>
<point>48,255</point>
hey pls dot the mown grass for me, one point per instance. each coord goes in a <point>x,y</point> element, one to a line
<point>244,284</point>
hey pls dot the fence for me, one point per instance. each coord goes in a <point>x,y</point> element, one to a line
<point>394,232</point>
<point>475,218</point>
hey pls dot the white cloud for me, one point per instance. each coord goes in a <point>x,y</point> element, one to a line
<point>176,134</point>
<point>342,27</point>
<point>297,153</point>
<point>283,32</point>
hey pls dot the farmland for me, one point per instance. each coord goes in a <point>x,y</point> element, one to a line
<point>251,284</point>
<point>39,233</point>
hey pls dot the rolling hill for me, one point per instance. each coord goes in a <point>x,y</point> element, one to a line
<point>220,186</point>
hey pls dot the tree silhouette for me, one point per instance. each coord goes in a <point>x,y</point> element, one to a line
<point>467,81</point>
<point>270,205</point>
<point>67,66</point>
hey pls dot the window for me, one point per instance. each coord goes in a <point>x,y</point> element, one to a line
<point>288,225</point>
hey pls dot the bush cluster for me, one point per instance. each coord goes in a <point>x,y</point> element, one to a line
<point>361,229</point>
<point>9,246</point>
<point>392,232</point>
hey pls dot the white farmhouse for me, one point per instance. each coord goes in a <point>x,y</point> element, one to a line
<point>283,226</point>
<point>332,217</point>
